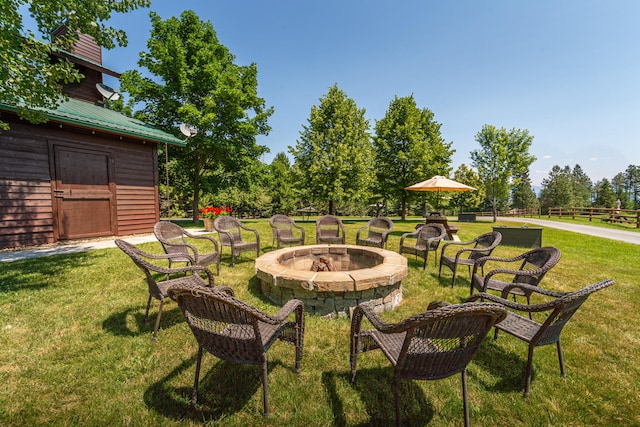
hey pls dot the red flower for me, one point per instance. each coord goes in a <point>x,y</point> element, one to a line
<point>212,212</point>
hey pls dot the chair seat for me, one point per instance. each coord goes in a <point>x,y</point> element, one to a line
<point>519,326</point>
<point>191,280</point>
<point>371,242</point>
<point>495,285</point>
<point>450,261</point>
<point>209,259</point>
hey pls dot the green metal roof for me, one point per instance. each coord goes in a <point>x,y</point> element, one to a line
<point>79,113</point>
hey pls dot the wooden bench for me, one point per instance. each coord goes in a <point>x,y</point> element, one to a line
<point>451,229</point>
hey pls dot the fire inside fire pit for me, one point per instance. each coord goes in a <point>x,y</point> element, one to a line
<point>333,279</point>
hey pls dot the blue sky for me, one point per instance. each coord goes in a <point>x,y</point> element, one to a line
<point>568,71</point>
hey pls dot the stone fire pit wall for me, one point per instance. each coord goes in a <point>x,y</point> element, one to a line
<point>364,274</point>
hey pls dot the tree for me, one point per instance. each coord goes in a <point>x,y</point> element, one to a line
<point>197,82</point>
<point>619,183</point>
<point>281,184</point>
<point>581,187</point>
<point>30,80</point>
<point>633,184</point>
<point>468,199</point>
<point>408,149</point>
<point>605,196</point>
<point>522,195</point>
<point>557,188</point>
<point>502,156</point>
<point>333,158</point>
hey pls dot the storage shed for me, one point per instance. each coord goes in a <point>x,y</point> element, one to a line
<point>87,172</point>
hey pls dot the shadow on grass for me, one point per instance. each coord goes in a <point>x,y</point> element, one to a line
<point>117,323</point>
<point>374,389</point>
<point>506,366</point>
<point>223,390</point>
<point>34,274</point>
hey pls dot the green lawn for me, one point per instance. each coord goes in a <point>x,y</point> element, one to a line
<point>74,350</point>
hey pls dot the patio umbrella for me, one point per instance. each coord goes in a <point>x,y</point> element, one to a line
<point>439,183</point>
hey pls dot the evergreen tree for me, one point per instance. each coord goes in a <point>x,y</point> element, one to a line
<point>605,195</point>
<point>557,188</point>
<point>334,155</point>
<point>522,195</point>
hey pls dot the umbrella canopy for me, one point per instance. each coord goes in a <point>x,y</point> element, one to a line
<point>439,183</point>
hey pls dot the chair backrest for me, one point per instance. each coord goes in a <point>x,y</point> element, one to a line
<point>329,226</point>
<point>537,259</point>
<point>441,342</point>
<point>281,225</point>
<point>488,242</point>
<point>138,257</point>
<point>379,227</point>
<point>172,237</point>
<point>563,309</point>
<point>429,231</point>
<point>228,224</point>
<point>223,325</point>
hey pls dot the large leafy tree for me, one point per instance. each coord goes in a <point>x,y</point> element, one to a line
<point>502,157</point>
<point>196,81</point>
<point>30,80</point>
<point>334,155</point>
<point>468,199</point>
<point>408,149</point>
<point>632,174</point>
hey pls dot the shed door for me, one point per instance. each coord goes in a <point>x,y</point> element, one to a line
<point>83,193</point>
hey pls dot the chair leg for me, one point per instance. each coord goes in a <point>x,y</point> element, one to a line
<point>453,279</point>
<point>396,398</point>
<point>194,393</point>
<point>426,256</point>
<point>155,330</point>
<point>146,314</point>
<point>528,372</point>
<point>561,359</point>
<point>465,402</point>
<point>265,397</point>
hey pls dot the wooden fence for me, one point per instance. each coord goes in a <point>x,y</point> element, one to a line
<point>624,216</point>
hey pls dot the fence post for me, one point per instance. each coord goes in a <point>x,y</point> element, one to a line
<point>573,209</point>
<point>638,219</point>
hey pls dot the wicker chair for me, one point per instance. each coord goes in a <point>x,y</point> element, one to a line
<point>329,229</point>
<point>533,265</point>
<point>432,345</point>
<point>234,331</point>
<point>378,230</point>
<point>283,231</point>
<point>558,312</point>
<point>427,238</point>
<point>174,241</point>
<point>479,247</point>
<point>158,289</point>
<point>230,232</point>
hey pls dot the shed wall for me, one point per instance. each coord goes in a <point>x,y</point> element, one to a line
<point>26,187</point>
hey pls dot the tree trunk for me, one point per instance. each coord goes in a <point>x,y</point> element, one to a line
<point>403,206</point>
<point>331,208</point>
<point>196,198</point>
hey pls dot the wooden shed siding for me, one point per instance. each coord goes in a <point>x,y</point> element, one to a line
<point>86,47</point>
<point>86,88</point>
<point>26,203</point>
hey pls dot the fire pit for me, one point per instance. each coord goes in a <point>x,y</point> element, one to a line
<point>333,279</point>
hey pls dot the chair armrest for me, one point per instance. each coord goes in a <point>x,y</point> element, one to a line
<point>361,229</point>
<point>444,247</point>
<point>209,238</point>
<point>224,289</point>
<point>433,305</point>
<point>528,288</point>
<point>532,308</point>
<point>287,309</point>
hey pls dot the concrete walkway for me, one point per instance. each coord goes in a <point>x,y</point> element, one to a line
<point>607,233</point>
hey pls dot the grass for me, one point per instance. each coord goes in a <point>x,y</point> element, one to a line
<point>74,350</point>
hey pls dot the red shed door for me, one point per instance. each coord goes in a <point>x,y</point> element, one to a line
<point>84,193</point>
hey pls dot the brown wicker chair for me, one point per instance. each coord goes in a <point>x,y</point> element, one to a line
<point>378,230</point>
<point>158,289</point>
<point>329,229</point>
<point>479,247</point>
<point>174,242</point>
<point>427,238</point>
<point>533,265</point>
<point>283,231</point>
<point>432,345</point>
<point>230,232</point>
<point>234,331</point>
<point>558,312</point>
